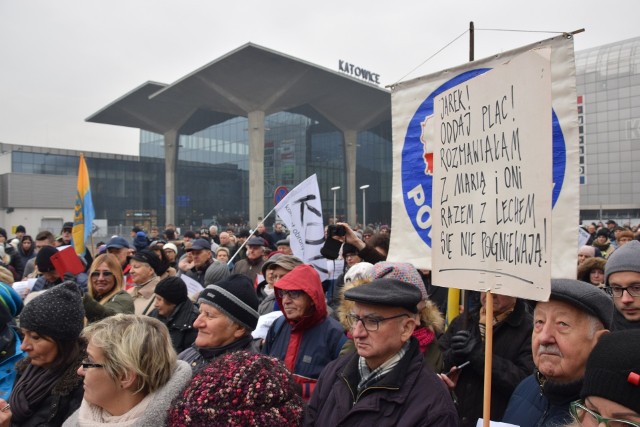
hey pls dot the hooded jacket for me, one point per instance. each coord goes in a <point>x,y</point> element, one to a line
<point>306,345</point>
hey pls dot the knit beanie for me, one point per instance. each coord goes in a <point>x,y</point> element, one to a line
<point>10,304</point>
<point>625,258</point>
<point>236,298</point>
<point>3,233</point>
<point>358,272</point>
<point>149,257</point>
<point>585,297</point>
<point>171,246</point>
<point>216,272</point>
<point>140,242</point>
<point>43,259</point>
<point>172,289</point>
<point>349,249</point>
<point>402,271</point>
<point>613,369</point>
<point>57,313</point>
<point>239,389</point>
<point>603,232</point>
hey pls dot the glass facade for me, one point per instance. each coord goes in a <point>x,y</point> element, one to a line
<point>608,86</point>
<point>212,178</point>
<point>117,185</point>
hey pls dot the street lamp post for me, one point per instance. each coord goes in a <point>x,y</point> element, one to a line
<point>334,189</point>
<point>364,205</point>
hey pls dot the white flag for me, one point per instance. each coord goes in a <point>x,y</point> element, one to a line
<point>301,212</point>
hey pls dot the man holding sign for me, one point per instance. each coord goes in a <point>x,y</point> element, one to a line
<point>512,361</point>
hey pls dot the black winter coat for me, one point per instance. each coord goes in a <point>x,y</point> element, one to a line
<point>180,325</point>
<point>512,362</point>
<point>410,395</point>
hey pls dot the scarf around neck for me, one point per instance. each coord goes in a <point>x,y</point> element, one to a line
<point>35,384</point>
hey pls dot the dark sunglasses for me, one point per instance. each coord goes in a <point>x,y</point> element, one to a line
<point>104,274</point>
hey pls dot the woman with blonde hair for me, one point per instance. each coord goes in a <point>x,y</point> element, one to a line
<point>131,373</point>
<point>105,291</point>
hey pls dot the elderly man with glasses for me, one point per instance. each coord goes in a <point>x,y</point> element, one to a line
<point>386,383</point>
<point>306,339</point>
<point>622,280</point>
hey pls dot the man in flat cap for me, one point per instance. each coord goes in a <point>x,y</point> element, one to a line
<point>386,382</point>
<point>565,330</point>
<point>201,260</point>
<point>251,266</point>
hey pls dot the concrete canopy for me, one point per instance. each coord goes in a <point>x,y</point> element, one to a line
<point>250,78</point>
<point>251,81</point>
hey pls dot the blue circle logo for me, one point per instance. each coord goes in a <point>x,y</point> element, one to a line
<point>416,167</point>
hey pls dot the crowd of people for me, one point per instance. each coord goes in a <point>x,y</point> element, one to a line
<point>231,328</point>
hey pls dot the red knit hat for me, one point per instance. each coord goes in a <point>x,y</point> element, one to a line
<point>239,389</point>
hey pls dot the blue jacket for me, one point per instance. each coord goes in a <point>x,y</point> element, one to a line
<point>8,371</point>
<point>41,284</point>
<point>320,345</point>
<point>308,344</point>
<point>532,405</point>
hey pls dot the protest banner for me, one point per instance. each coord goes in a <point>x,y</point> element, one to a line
<point>493,179</point>
<point>413,239</point>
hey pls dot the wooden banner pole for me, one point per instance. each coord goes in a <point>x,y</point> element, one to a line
<point>488,360</point>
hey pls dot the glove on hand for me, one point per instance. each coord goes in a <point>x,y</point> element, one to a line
<point>462,344</point>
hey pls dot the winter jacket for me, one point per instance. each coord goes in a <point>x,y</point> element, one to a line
<point>158,409</point>
<point>143,296</point>
<point>180,325</point>
<point>267,305</point>
<point>20,259</point>
<point>512,362</point>
<point>541,404</point>
<point>198,357</point>
<point>120,302</point>
<point>620,323</point>
<point>409,395</point>
<point>64,399</point>
<point>198,273</point>
<point>307,345</point>
<point>41,283</point>
<point>251,269</point>
<point>8,369</point>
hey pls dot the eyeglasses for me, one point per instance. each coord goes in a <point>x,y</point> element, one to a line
<point>86,365</point>
<point>618,291</point>
<point>371,324</point>
<point>588,418</point>
<point>291,294</point>
<point>105,274</point>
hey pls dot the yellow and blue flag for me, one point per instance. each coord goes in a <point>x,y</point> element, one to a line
<point>84,213</point>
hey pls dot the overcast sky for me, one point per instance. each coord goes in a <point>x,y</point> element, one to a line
<point>63,60</point>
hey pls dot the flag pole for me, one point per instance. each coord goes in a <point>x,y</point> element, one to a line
<point>245,242</point>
